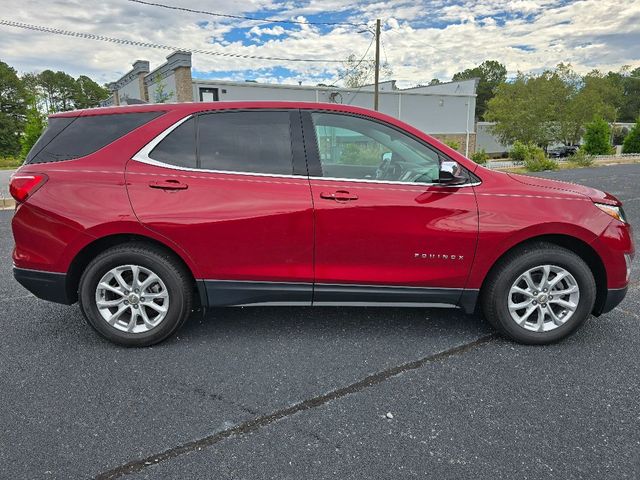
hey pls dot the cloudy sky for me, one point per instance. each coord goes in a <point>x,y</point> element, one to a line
<point>421,40</point>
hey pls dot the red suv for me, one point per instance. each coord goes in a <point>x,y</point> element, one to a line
<point>147,212</point>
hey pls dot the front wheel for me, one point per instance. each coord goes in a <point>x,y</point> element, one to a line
<point>539,294</point>
<point>135,294</point>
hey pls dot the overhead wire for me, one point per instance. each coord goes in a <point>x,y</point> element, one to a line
<point>242,17</point>
<point>121,41</point>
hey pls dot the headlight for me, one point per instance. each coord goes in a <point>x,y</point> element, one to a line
<point>615,212</point>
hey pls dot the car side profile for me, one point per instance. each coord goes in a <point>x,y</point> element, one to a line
<point>145,213</point>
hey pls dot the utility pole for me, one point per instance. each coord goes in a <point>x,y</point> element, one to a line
<point>377,74</point>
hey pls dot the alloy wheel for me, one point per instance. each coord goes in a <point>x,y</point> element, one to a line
<point>543,298</point>
<point>132,298</point>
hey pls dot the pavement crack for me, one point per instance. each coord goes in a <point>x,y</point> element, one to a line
<point>264,420</point>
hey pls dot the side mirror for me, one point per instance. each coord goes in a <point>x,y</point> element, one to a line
<point>451,173</point>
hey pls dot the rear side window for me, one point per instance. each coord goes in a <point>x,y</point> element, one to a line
<point>252,142</point>
<point>179,147</point>
<point>67,138</point>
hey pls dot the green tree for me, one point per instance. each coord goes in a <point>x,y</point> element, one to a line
<point>160,95</point>
<point>597,137</point>
<point>629,81</point>
<point>58,90</point>
<point>357,72</point>
<point>32,130</point>
<point>553,106</point>
<point>88,93</point>
<point>13,106</point>
<point>490,73</point>
<point>526,109</point>
<point>632,141</point>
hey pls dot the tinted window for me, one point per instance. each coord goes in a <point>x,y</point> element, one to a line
<point>255,142</point>
<point>354,147</point>
<point>68,138</point>
<point>179,147</point>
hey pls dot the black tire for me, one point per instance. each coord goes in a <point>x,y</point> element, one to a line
<point>175,276</point>
<point>495,292</point>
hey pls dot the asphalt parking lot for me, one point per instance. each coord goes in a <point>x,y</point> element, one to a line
<point>293,393</point>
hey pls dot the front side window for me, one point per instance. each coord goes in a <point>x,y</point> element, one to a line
<point>249,141</point>
<point>358,148</point>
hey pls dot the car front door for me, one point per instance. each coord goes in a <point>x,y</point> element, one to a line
<point>230,188</point>
<point>385,230</point>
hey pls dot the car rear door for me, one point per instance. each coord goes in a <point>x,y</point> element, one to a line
<point>231,189</point>
<point>385,230</point>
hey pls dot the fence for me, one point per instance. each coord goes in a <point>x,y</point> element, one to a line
<point>596,158</point>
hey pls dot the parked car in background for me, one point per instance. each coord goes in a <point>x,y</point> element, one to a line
<point>562,151</point>
<point>144,213</point>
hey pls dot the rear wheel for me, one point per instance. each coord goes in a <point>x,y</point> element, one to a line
<point>539,294</point>
<point>135,294</point>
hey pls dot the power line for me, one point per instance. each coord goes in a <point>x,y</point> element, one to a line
<point>241,17</point>
<point>121,41</point>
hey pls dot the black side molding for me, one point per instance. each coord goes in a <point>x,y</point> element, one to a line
<point>373,294</point>
<point>222,293</point>
<point>49,286</point>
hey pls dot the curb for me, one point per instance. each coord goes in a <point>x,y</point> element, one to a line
<point>7,203</point>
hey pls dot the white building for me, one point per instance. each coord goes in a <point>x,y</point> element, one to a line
<point>445,111</point>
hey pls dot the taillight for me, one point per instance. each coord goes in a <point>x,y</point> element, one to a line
<point>22,187</point>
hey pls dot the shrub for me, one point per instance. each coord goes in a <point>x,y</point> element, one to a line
<point>597,137</point>
<point>537,161</point>
<point>480,157</point>
<point>581,158</point>
<point>632,140</point>
<point>452,144</point>
<point>10,162</point>
<point>519,152</point>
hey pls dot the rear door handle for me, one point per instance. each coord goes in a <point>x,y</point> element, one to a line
<point>339,196</point>
<point>168,185</point>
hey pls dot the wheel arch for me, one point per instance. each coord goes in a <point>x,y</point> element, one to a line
<point>577,246</point>
<point>92,249</point>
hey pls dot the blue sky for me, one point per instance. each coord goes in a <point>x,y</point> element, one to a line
<point>422,40</point>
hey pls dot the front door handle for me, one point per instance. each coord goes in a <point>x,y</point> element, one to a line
<point>339,196</point>
<point>168,185</point>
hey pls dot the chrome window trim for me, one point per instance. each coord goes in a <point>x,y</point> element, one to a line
<point>142,156</point>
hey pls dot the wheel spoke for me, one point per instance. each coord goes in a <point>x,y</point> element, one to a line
<point>519,306</point>
<point>135,274</point>
<point>150,280</point>
<point>118,276</point>
<point>109,303</point>
<point>540,322</point>
<point>545,276</point>
<point>527,314</point>
<point>133,320</point>
<point>557,320</point>
<point>567,291</point>
<point>156,307</point>
<point>557,278</point>
<point>111,288</point>
<point>563,303</point>
<point>530,283</point>
<point>521,291</point>
<point>145,318</point>
<point>116,316</point>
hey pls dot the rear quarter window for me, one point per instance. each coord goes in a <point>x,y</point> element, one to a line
<point>67,138</point>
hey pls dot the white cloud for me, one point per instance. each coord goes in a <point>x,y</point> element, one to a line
<point>586,33</point>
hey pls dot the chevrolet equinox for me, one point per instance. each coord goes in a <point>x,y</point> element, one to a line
<point>144,213</point>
